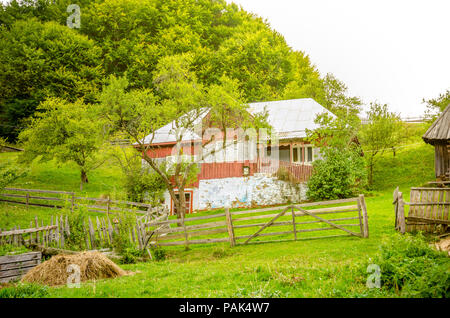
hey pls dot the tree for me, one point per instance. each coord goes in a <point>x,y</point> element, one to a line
<point>435,106</point>
<point>180,99</point>
<point>379,134</point>
<point>66,132</point>
<point>40,60</point>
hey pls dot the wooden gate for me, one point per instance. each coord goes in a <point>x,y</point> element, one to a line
<point>292,222</point>
<point>300,211</point>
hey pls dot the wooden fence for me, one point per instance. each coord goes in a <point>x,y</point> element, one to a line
<point>294,222</point>
<point>98,232</point>
<point>61,199</point>
<point>13,267</point>
<point>428,210</point>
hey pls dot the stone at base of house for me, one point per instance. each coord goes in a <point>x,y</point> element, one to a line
<point>257,190</point>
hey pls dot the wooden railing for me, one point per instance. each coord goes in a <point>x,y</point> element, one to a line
<point>300,172</point>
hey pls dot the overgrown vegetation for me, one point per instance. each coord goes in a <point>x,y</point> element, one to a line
<point>411,268</point>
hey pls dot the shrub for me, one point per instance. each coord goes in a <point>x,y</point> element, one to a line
<point>411,268</point>
<point>76,240</point>
<point>159,253</point>
<point>341,174</point>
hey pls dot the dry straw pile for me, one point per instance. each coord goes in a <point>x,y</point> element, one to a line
<point>54,272</point>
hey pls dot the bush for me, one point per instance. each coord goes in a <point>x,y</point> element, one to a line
<point>76,240</point>
<point>158,253</point>
<point>411,268</point>
<point>341,174</point>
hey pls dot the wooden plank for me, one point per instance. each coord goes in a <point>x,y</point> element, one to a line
<point>20,258</point>
<point>204,241</point>
<point>300,239</point>
<point>15,272</point>
<point>364,215</point>
<point>18,265</point>
<point>266,225</point>
<point>401,213</point>
<point>192,234</point>
<point>26,231</point>
<point>424,220</point>
<point>38,191</point>
<point>294,228</point>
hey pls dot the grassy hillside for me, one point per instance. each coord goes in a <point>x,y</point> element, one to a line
<point>316,268</point>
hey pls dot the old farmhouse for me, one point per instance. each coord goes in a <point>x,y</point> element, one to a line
<point>241,175</point>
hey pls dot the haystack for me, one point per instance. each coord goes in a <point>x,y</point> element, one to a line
<point>55,271</point>
<point>443,245</point>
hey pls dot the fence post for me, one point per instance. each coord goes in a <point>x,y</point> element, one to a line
<point>186,240</point>
<point>73,201</point>
<point>107,205</point>
<point>28,199</point>
<point>293,222</point>
<point>365,217</point>
<point>401,213</point>
<point>230,227</point>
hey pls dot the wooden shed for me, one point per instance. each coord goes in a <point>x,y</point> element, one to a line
<point>438,135</point>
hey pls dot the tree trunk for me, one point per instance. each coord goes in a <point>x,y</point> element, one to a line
<point>84,179</point>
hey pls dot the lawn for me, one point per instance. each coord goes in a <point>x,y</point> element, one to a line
<point>316,268</point>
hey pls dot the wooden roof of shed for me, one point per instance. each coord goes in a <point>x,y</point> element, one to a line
<point>440,129</point>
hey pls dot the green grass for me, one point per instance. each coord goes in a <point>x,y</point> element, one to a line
<point>310,268</point>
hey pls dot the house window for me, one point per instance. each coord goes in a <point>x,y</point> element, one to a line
<point>187,196</point>
<point>297,154</point>
<point>302,154</point>
<point>309,154</point>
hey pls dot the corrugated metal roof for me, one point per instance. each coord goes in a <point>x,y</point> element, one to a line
<point>167,133</point>
<point>289,118</point>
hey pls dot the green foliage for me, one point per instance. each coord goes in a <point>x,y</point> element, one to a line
<point>130,38</point>
<point>341,174</point>
<point>158,253</point>
<point>436,106</point>
<point>10,171</point>
<point>379,134</point>
<point>122,243</point>
<point>411,268</point>
<point>66,132</point>
<point>40,60</point>
<point>26,290</point>
<point>77,220</point>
